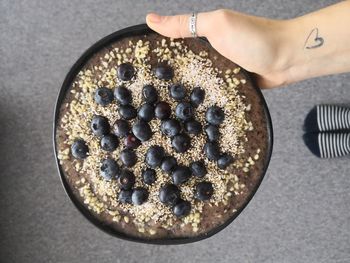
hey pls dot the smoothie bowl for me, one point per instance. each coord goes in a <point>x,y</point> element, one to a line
<point>160,140</point>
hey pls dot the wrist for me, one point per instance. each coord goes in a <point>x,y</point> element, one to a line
<point>286,48</point>
<point>279,57</point>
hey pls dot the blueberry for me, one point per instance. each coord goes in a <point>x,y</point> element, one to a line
<point>125,196</point>
<point>154,156</point>
<point>131,141</point>
<point>162,110</point>
<point>197,96</point>
<point>164,71</point>
<point>122,95</point>
<point>103,96</point>
<point>125,71</point>
<point>169,194</point>
<point>170,127</point>
<point>181,142</point>
<point>168,164</point>
<point>126,180</point>
<point>212,151</point>
<point>121,128</point>
<point>181,174</point>
<point>109,142</point>
<point>198,168</point>
<point>193,127</point>
<point>184,111</point>
<point>204,191</point>
<point>79,149</point>
<point>182,208</point>
<point>215,115</point>
<point>177,92</point>
<point>146,112</point>
<point>150,94</point>
<point>142,130</point>
<point>139,196</point>
<point>128,157</point>
<point>149,176</point>
<point>225,160</point>
<point>109,169</point>
<point>127,112</point>
<point>99,125</point>
<point>212,132</point>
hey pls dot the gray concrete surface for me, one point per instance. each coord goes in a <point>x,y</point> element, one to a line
<point>301,213</point>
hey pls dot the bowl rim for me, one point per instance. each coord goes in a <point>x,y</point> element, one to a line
<point>143,29</point>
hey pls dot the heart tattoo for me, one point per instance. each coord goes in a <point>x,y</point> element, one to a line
<point>313,40</point>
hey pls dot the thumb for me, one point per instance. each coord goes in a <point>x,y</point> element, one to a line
<point>178,26</point>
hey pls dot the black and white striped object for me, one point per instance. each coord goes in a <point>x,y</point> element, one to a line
<point>333,118</point>
<point>333,144</point>
<point>328,118</point>
<point>328,145</point>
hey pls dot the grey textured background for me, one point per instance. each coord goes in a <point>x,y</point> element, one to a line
<point>301,213</point>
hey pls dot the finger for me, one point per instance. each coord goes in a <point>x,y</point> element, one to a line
<point>178,26</point>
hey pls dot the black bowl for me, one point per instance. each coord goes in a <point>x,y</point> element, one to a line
<point>127,32</point>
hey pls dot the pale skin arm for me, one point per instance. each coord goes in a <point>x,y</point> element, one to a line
<point>279,52</point>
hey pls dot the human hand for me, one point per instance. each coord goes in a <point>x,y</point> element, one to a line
<point>254,43</point>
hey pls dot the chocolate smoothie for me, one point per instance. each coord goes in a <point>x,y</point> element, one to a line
<point>162,138</point>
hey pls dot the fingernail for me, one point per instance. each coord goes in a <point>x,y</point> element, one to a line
<point>154,18</point>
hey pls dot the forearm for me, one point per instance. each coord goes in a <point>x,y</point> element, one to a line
<point>277,51</point>
<point>316,44</point>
